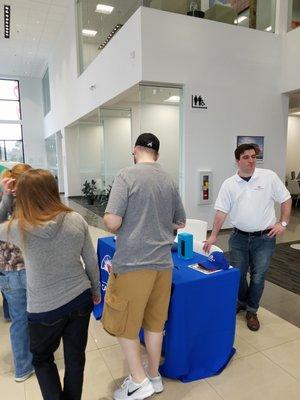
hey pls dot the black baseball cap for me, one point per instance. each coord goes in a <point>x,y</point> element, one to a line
<point>148,140</point>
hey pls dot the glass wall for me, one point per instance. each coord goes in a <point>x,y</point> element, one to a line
<point>51,154</point>
<point>294,14</point>
<point>11,139</point>
<point>256,14</point>
<point>46,93</point>
<point>98,23</point>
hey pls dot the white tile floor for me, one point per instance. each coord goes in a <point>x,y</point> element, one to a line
<point>265,367</point>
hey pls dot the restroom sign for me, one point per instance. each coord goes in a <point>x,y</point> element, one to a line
<point>198,102</point>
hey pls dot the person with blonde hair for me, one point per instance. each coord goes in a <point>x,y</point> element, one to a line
<point>61,291</point>
<point>13,285</point>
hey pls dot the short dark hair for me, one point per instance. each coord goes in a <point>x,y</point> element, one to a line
<point>244,147</point>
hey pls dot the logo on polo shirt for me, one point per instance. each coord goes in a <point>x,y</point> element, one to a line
<point>258,188</point>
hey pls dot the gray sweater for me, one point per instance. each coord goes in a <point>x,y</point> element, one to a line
<point>53,256</point>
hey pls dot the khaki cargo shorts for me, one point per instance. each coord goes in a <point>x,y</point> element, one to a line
<point>137,299</point>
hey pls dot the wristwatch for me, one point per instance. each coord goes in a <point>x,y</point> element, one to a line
<point>284,224</point>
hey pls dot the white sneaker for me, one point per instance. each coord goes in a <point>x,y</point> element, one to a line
<point>134,391</point>
<point>156,382</point>
<point>24,377</point>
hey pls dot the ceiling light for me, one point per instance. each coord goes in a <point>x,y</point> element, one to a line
<point>173,99</point>
<point>268,29</point>
<point>6,21</point>
<point>240,19</point>
<point>110,36</point>
<point>104,9</point>
<point>89,33</point>
<point>295,113</point>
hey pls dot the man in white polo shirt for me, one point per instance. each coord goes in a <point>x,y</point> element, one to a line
<point>248,197</point>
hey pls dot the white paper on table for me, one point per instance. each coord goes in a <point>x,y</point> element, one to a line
<point>203,270</point>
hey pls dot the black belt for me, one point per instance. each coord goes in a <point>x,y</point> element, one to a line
<point>257,233</point>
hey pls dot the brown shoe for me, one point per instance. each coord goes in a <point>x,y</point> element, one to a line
<point>252,321</point>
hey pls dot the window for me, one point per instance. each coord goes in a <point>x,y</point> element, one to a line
<point>294,15</point>
<point>46,93</point>
<point>97,24</point>
<point>11,138</point>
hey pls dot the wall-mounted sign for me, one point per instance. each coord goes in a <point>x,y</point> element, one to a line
<point>198,102</point>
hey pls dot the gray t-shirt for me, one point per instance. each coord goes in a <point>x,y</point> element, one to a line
<point>147,199</point>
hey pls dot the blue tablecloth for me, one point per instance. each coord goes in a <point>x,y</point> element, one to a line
<point>200,330</point>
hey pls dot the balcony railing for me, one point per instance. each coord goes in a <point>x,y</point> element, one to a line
<point>98,23</point>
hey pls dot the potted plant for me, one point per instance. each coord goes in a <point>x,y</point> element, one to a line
<point>89,191</point>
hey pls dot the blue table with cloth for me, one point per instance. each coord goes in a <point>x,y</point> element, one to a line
<point>200,330</point>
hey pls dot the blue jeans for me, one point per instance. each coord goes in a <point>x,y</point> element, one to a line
<point>5,308</point>
<point>13,285</point>
<point>251,253</point>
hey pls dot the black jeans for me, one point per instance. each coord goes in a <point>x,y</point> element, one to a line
<point>45,339</point>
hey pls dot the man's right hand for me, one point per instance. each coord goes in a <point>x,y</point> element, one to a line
<point>96,299</point>
<point>208,243</point>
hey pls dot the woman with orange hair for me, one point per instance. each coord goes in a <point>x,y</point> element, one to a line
<point>13,285</point>
<point>61,291</point>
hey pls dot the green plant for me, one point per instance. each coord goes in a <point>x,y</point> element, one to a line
<point>89,189</point>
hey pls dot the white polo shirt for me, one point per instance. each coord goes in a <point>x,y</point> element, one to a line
<point>250,205</point>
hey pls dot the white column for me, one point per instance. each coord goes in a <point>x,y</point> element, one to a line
<point>70,151</point>
<point>283,16</point>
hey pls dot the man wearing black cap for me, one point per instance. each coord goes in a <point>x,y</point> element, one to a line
<point>143,210</point>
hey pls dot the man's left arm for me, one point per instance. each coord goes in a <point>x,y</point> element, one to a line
<point>282,196</point>
<point>285,212</point>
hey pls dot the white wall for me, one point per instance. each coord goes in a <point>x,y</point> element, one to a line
<point>293,146</point>
<point>163,121</point>
<point>71,161</point>
<point>32,120</point>
<point>89,152</point>
<point>239,82</point>
<point>117,146</point>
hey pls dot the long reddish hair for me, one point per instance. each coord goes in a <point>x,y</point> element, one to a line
<point>16,171</point>
<point>37,199</point>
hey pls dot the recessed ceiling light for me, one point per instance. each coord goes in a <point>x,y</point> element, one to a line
<point>173,99</point>
<point>268,29</point>
<point>89,32</point>
<point>104,9</point>
<point>240,19</point>
<point>6,21</point>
